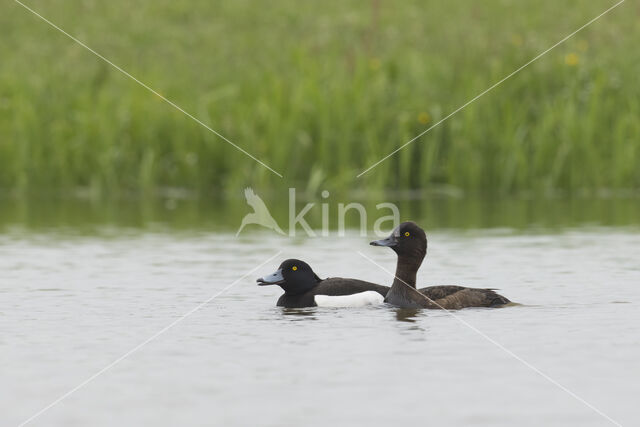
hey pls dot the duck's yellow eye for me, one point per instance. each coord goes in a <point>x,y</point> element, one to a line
<point>406,233</point>
<point>294,268</point>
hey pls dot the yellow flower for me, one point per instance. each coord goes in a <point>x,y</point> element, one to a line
<point>374,63</point>
<point>424,117</point>
<point>571,59</point>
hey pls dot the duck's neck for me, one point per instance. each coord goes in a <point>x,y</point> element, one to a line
<point>406,270</point>
<point>300,287</point>
<point>403,292</point>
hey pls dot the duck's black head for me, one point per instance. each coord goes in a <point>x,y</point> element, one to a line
<point>293,275</point>
<point>408,240</point>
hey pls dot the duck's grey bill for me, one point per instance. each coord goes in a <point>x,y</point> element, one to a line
<point>389,242</point>
<point>271,279</point>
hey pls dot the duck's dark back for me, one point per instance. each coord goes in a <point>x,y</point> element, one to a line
<point>457,297</point>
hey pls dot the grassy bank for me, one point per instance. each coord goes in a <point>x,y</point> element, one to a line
<point>319,91</point>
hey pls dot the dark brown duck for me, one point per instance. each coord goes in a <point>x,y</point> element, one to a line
<point>409,242</point>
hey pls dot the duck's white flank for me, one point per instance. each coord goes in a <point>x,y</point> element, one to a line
<point>355,300</point>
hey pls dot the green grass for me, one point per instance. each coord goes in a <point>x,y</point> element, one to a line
<point>319,91</point>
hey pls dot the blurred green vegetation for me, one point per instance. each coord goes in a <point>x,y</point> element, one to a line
<point>76,216</point>
<point>319,91</point>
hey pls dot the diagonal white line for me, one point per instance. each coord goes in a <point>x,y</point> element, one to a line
<point>503,348</point>
<point>142,344</point>
<point>490,88</point>
<point>173,104</point>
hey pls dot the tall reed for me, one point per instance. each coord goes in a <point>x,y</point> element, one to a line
<point>319,91</point>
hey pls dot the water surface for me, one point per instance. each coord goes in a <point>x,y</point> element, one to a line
<point>71,304</point>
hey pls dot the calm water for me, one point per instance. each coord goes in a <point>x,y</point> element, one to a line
<point>70,305</point>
